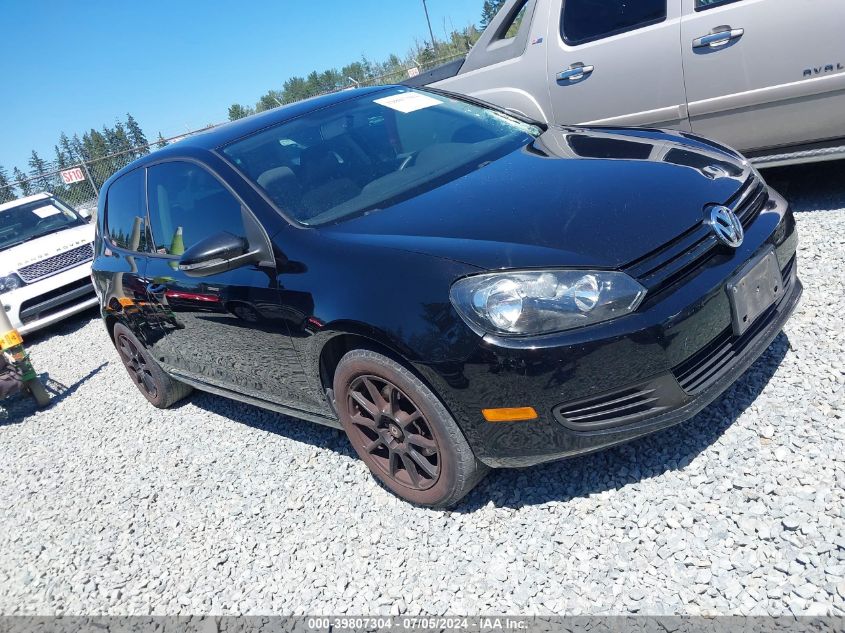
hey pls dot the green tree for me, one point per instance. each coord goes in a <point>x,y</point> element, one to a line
<point>7,191</point>
<point>136,135</point>
<point>270,100</point>
<point>22,183</point>
<point>489,11</point>
<point>37,167</point>
<point>161,142</point>
<point>238,111</point>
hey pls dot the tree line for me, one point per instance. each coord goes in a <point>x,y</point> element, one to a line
<point>394,69</point>
<point>108,149</point>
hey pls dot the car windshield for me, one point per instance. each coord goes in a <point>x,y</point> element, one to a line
<point>32,220</point>
<point>373,151</point>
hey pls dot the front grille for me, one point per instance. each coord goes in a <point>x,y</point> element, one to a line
<point>710,363</point>
<point>616,408</point>
<point>57,263</point>
<point>670,263</point>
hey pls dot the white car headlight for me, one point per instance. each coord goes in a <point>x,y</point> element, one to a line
<point>539,302</point>
<point>10,282</point>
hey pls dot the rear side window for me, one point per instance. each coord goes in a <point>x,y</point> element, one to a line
<point>511,27</point>
<point>187,205</point>
<point>703,5</point>
<point>588,20</point>
<point>126,212</point>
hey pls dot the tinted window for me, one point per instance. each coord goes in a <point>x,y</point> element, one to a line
<point>126,212</point>
<point>701,5</point>
<point>188,204</point>
<point>586,20</point>
<point>373,151</point>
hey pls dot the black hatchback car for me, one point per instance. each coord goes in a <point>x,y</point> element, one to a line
<point>456,287</point>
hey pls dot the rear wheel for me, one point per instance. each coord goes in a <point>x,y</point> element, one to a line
<point>156,386</point>
<point>403,432</point>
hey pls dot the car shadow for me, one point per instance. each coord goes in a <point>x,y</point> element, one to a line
<point>652,456</point>
<point>811,187</point>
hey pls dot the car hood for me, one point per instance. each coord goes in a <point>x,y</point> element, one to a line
<point>16,257</point>
<point>588,197</point>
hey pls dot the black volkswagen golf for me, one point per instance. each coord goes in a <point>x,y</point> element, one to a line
<point>456,287</point>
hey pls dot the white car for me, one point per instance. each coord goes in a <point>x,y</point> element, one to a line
<point>46,250</point>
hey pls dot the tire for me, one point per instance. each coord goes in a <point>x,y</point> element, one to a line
<point>402,431</point>
<point>157,387</point>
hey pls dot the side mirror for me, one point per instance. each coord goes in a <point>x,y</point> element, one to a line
<point>217,254</point>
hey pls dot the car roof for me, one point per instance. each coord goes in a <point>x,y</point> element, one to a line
<point>21,201</point>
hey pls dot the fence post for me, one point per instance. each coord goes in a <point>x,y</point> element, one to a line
<point>88,174</point>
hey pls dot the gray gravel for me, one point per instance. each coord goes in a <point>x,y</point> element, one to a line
<point>111,506</point>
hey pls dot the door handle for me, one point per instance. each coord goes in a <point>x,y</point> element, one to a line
<point>156,289</point>
<point>719,37</point>
<point>575,72</point>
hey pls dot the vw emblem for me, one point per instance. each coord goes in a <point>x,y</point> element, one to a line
<point>726,226</point>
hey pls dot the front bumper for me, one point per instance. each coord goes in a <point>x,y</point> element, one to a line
<point>49,300</point>
<point>614,382</point>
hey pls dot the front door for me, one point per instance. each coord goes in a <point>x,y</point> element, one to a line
<point>765,73</point>
<point>617,62</point>
<point>226,329</point>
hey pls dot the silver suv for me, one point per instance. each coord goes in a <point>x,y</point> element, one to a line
<point>764,76</point>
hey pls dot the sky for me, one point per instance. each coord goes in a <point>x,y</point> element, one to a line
<point>177,65</point>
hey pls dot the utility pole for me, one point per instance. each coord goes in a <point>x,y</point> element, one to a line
<point>427,19</point>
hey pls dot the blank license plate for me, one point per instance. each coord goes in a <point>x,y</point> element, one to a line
<point>753,290</point>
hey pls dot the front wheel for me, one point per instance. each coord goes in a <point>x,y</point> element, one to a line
<point>403,432</point>
<point>156,386</point>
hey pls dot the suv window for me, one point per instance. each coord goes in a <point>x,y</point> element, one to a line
<point>702,5</point>
<point>511,27</point>
<point>587,20</point>
<point>126,212</point>
<point>188,204</point>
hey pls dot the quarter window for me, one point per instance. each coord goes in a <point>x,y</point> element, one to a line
<point>510,27</point>
<point>187,205</point>
<point>587,20</point>
<point>126,212</point>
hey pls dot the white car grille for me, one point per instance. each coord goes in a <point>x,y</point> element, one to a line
<point>57,263</point>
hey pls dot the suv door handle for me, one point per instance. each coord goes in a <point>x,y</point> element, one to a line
<point>720,36</point>
<point>575,72</point>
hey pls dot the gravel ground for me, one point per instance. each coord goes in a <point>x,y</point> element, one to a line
<point>110,506</point>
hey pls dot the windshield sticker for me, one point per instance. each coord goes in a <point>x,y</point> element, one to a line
<point>46,212</point>
<point>408,102</point>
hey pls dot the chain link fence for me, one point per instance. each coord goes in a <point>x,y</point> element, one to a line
<point>79,183</point>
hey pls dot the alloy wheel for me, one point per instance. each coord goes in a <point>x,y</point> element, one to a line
<point>393,433</point>
<point>137,366</point>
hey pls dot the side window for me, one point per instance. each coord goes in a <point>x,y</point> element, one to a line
<point>588,20</point>
<point>703,5</point>
<point>510,27</point>
<point>126,212</point>
<point>188,204</point>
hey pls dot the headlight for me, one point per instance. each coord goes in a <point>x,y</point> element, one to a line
<point>538,302</point>
<point>10,282</point>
